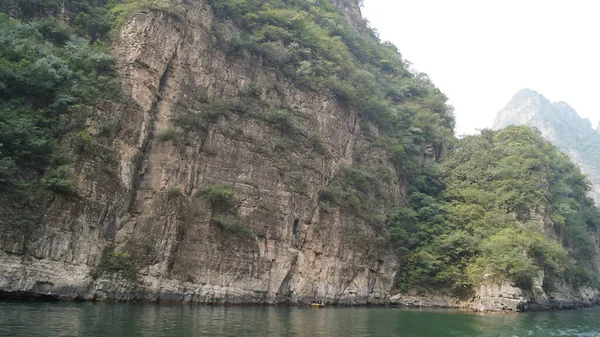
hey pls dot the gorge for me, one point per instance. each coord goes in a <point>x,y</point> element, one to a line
<point>253,152</point>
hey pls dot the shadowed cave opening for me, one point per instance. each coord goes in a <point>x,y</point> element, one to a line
<point>296,228</point>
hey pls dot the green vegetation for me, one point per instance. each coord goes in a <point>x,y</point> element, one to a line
<point>51,76</point>
<point>222,199</point>
<point>190,122</point>
<point>570,133</point>
<point>504,205</point>
<point>174,191</point>
<point>355,188</point>
<point>116,262</point>
<point>60,180</point>
<point>575,135</point>
<point>198,118</point>
<point>311,44</point>
<point>519,255</point>
<point>232,224</point>
<point>84,142</point>
<point>109,127</point>
<point>167,134</point>
<point>125,10</point>
<point>318,146</point>
<point>221,194</point>
<point>282,119</point>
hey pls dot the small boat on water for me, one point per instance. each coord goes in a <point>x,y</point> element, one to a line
<point>317,304</point>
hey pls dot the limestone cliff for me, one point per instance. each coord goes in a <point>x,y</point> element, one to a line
<point>235,171</point>
<point>147,204</point>
<point>560,124</point>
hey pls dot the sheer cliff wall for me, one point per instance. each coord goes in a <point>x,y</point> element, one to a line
<point>144,202</point>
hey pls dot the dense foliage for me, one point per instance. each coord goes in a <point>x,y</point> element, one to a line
<point>560,124</point>
<point>504,205</point>
<point>51,76</point>
<point>311,44</point>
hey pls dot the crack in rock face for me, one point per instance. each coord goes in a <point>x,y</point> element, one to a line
<point>189,130</point>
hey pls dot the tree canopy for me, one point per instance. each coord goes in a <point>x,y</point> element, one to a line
<point>504,205</point>
<point>51,77</point>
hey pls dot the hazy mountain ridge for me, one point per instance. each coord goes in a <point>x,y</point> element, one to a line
<point>560,124</point>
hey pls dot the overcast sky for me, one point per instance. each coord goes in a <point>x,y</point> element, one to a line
<point>480,53</point>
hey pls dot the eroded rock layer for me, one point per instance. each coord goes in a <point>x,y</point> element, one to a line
<point>146,204</point>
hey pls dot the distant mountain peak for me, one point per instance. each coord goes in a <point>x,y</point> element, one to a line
<point>523,106</point>
<point>527,92</point>
<point>560,124</point>
<point>526,95</point>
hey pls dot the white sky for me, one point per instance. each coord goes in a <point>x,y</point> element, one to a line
<point>481,52</point>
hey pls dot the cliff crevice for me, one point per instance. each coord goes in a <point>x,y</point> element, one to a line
<point>274,244</point>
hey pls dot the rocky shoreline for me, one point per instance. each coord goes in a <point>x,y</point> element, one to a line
<point>149,290</point>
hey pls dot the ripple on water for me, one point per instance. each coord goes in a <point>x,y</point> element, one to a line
<point>32,319</point>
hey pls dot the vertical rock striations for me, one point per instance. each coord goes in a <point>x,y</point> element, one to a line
<point>273,243</point>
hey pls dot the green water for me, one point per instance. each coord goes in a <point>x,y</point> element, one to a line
<point>32,319</point>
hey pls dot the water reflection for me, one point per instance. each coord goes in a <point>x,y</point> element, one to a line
<point>104,319</point>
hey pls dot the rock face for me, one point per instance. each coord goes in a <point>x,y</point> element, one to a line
<point>146,204</point>
<point>507,297</point>
<point>560,124</point>
<point>351,11</point>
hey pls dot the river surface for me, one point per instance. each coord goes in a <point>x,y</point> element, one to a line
<point>32,319</point>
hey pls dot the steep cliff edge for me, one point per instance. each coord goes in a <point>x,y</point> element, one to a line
<point>199,123</point>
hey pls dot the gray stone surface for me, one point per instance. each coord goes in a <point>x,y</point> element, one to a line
<point>297,252</point>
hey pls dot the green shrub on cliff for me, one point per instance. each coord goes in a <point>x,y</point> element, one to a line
<point>354,188</point>
<point>60,180</point>
<point>232,224</point>
<point>50,78</point>
<point>123,11</point>
<point>86,18</point>
<point>282,119</point>
<point>167,134</point>
<point>174,191</point>
<point>220,194</point>
<point>116,262</point>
